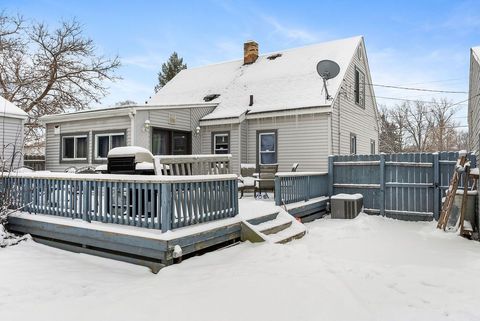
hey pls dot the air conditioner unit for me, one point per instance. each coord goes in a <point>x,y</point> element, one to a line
<point>346,206</point>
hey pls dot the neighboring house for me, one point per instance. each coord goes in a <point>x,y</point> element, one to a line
<point>474,101</point>
<point>12,121</point>
<point>268,108</point>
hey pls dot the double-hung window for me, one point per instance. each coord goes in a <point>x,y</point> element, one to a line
<point>221,143</point>
<point>106,141</point>
<point>267,148</point>
<point>353,144</point>
<point>74,147</point>
<point>359,87</point>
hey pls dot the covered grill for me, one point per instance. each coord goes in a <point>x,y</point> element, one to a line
<point>130,160</point>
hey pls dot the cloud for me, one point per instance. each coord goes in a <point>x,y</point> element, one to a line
<point>295,34</point>
<point>149,61</point>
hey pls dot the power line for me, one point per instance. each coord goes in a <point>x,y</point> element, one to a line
<point>420,89</point>
<point>433,81</point>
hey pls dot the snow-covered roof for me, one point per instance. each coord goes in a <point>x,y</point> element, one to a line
<point>476,52</point>
<point>288,82</point>
<point>8,109</point>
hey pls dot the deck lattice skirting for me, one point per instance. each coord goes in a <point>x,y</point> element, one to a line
<point>163,203</point>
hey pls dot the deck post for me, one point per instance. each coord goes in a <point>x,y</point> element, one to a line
<point>436,186</point>
<point>85,196</point>
<point>382,184</point>
<point>278,192</point>
<point>330,175</point>
<point>166,206</point>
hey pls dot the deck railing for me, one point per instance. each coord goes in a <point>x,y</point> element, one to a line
<point>193,164</point>
<point>292,187</point>
<point>154,202</point>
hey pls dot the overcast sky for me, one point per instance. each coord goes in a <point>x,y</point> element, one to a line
<point>417,45</point>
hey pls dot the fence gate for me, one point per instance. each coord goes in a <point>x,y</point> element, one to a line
<point>405,186</point>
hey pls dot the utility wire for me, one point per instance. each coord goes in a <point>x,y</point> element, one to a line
<point>419,89</point>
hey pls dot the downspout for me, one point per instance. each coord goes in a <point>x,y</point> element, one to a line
<point>131,115</point>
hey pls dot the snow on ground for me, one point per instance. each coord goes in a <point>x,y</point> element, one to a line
<point>369,268</point>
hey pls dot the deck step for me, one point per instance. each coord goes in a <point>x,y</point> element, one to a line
<point>280,228</point>
<point>274,226</point>
<point>263,219</point>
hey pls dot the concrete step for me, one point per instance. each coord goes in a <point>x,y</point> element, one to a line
<point>262,219</point>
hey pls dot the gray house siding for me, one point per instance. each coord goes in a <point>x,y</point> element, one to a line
<point>90,126</point>
<point>301,139</point>
<point>11,130</point>
<point>234,131</point>
<point>350,118</point>
<point>474,103</point>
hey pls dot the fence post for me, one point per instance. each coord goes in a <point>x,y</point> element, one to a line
<point>307,194</point>
<point>330,175</point>
<point>166,206</point>
<point>85,201</point>
<point>436,186</point>
<point>278,192</point>
<point>382,184</point>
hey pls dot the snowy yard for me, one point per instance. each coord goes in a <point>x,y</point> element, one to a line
<point>370,268</point>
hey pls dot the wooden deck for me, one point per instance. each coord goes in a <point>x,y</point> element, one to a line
<point>150,247</point>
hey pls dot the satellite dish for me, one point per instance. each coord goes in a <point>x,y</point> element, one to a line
<point>327,69</point>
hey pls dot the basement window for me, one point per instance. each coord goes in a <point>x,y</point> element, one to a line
<point>274,56</point>
<point>210,97</point>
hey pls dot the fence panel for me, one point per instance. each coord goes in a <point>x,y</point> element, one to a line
<point>406,186</point>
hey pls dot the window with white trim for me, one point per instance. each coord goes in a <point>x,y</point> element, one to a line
<point>372,146</point>
<point>221,143</point>
<point>267,148</point>
<point>74,147</point>
<point>359,87</point>
<point>353,143</point>
<point>106,141</point>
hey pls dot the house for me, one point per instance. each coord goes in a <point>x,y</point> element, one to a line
<point>12,121</point>
<point>262,109</point>
<point>474,100</point>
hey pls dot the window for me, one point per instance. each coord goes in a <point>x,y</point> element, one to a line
<point>221,143</point>
<point>169,142</point>
<point>359,88</point>
<point>267,148</point>
<point>353,144</point>
<point>74,147</point>
<point>372,147</point>
<point>105,142</point>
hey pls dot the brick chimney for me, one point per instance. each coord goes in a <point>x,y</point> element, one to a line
<point>250,52</point>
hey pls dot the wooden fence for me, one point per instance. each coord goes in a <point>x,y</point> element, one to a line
<point>145,201</point>
<point>404,186</point>
<point>292,187</point>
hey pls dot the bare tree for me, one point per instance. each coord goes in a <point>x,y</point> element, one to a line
<point>48,71</point>
<point>443,134</point>
<point>127,102</point>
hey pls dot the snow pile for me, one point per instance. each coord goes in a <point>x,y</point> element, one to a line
<point>369,268</point>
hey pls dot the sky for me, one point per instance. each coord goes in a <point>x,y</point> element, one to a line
<point>421,44</point>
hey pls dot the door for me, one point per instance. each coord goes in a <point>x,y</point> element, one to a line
<point>171,142</point>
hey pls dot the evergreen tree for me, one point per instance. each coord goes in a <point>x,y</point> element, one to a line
<point>169,70</point>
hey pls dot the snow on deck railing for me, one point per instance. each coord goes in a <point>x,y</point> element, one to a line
<point>147,201</point>
<point>292,187</point>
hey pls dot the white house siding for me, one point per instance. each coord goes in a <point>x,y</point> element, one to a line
<point>11,130</point>
<point>474,103</point>
<point>89,126</point>
<point>352,118</point>
<point>234,130</point>
<point>301,139</point>
<point>186,119</point>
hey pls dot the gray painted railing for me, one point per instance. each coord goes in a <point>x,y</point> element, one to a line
<point>406,186</point>
<point>292,187</point>
<point>192,164</point>
<point>145,201</point>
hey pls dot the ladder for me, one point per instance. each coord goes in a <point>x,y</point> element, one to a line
<point>452,191</point>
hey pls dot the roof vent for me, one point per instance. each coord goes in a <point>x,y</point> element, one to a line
<point>210,97</point>
<point>274,56</point>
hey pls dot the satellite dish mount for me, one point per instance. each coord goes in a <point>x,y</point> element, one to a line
<point>327,69</point>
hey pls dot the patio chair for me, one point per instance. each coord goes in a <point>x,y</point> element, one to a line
<point>246,181</point>
<point>266,179</point>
